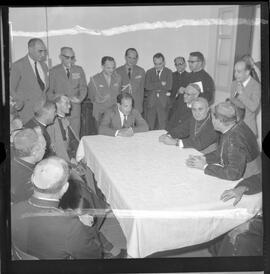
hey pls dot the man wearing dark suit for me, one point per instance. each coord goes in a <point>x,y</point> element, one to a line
<point>29,148</point>
<point>122,119</point>
<point>196,132</point>
<point>41,229</point>
<point>69,79</point>
<point>247,238</point>
<point>132,78</point>
<point>29,79</point>
<point>246,94</point>
<point>44,115</point>
<point>158,83</point>
<point>103,88</point>
<point>237,154</point>
<point>196,63</point>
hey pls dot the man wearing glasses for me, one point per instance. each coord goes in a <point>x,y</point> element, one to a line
<point>196,64</point>
<point>29,79</point>
<point>69,79</point>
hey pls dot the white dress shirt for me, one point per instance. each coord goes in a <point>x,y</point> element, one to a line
<point>39,68</point>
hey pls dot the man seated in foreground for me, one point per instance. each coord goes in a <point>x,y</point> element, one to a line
<point>237,154</point>
<point>122,119</point>
<point>29,149</point>
<point>247,238</point>
<point>181,110</point>
<point>41,229</point>
<point>196,132</point>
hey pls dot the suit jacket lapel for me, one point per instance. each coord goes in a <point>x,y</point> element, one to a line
<point>30,70</point>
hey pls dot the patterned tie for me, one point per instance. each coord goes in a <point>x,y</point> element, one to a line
<point>129,73</point>
<point>68,73</point>
<point>40,82</point>
<point>158,73</point>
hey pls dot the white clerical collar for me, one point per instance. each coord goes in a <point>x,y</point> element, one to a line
<point>60,115</point>
<point>246,82</point>
<point>41,122</point>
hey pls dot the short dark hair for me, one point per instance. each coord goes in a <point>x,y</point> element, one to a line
<point>183,61</point>
<point>124,95</point>
<point>32,42</point>
<point>131,49</point>
<point>44,107</point>
<point>159,55</point>
<point>198,54</point>
<point>106,58</point>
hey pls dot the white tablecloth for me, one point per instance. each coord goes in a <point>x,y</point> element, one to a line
<point>160,203</point>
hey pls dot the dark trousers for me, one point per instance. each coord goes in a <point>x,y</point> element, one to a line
<point>88,122</point>
<point>157,112</point>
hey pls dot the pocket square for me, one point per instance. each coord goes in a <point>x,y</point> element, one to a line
<point>101,86</point>
<point>138,77</point>
<point>76,76</point>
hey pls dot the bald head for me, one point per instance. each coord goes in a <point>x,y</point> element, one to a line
<point>200,108</point>
<point>37,50</point>
<point>50,175</point>
<point>225,112</point>
<point>192,91</point>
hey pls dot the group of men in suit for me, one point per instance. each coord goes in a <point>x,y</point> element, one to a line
<point>126,100</point>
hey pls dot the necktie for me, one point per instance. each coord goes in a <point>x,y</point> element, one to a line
<point>158,73</point>
<point>125,121</point>
<point>68,73</point>
<point>40,82</point>
<point>129,73</point>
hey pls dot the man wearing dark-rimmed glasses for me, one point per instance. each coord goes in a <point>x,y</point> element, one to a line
<point>69,79</point>
<point>196,64</point>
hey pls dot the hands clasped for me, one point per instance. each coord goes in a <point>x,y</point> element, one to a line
<point>167,139</point>
<point>125,132</point>
<point>196,161</point>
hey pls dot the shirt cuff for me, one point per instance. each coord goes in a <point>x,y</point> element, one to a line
<point>116,133</point>
<point>181,145</point>
<point>204,167</point>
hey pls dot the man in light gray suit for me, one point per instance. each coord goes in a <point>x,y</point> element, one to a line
<point>29,79</point>
<point>69,79</point>
<point>246,94</point>
<point>132,78</point>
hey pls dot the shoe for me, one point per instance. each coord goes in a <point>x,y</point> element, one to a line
<point>122,254</point>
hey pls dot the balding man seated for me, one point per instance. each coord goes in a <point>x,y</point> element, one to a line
<point>29,148</point>
<point>122,119</point>
<point>41,229</point>
<point>44,115</point>
<point>237,154</point>
<point>196,132</point>
<point>181,110</point>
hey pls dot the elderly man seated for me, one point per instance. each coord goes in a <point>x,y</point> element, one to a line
<point>41,229</point>
<point>44,115</point>
<point>122,119</point>
<point>196,132</point>
<point>181,111</point>
<point>237,154</point>
<point>29,149</point>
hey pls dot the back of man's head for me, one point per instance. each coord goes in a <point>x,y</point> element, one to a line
<point>24,141</point>
<point>44,108</point>
<point>225,112</point>
<point>50,176</point>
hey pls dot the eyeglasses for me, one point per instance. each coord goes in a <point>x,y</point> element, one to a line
<point>69,57</point>
<point>190,61</point>
<point>180,64</point>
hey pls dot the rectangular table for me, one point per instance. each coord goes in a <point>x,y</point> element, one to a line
<point>160,203</point>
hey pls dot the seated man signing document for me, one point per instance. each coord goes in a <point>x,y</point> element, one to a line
<point>196,132</point>
<point>122,119</point>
